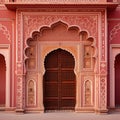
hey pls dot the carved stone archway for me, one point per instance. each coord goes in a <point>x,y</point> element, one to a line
<point>5,51</point>
<point>71,39</point>
<point>114,50</point>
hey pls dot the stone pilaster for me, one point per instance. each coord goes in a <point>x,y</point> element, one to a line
<point>20,95</point>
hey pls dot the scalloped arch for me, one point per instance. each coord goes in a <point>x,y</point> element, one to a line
<point>58,31</point>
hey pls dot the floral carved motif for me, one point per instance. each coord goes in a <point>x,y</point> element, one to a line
<point>31,92</point>
<point>5,31</point>
<point>85,22</point>
<point>20,86</point>
<point>88,92</point>
<point>103,68</point>
<point>19,40</point>
<point>19,92</point>
<point>114,31</point>
<point>103,93</point>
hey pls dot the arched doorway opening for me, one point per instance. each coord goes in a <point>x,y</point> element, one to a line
<point>2,80</point>
<point>117,81</point>
<point>59,81</point>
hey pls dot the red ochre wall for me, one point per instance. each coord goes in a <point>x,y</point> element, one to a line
<point>8,37</point>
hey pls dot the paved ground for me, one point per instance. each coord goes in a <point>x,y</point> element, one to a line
<point>59,116</point>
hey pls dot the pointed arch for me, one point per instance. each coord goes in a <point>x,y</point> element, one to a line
<point>59,81</point>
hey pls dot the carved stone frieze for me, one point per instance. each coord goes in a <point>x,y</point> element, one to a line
<point>61,1</point>
<point>19,36</point>
<point>114,31</point>
<point>5,31</point>
<point>85,22</point>
<point>19,93</point>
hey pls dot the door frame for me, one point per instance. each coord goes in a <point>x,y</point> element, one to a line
<point>114,51</point>
<point>44,49</point>
<point>5,51</point>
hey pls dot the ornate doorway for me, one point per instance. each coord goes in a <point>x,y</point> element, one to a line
<point>117,81</point>
<point>59,81</point>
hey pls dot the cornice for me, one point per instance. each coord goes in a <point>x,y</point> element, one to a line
<point>18,5</point>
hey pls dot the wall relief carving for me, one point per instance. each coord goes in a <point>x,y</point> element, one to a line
<point>5,31</point>
<point>60,32</point>
<point>88,90</point>
<point>34,22</point>
<point>44,24</point>
<point>31,93</point>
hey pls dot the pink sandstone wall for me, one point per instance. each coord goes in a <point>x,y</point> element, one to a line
<point>114,26</point>
<point>113,37</point>
<point>7,36</point>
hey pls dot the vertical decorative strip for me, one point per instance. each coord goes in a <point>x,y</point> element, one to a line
<point>103,66</point>
<point>19,66</point>
<point>103,36</point>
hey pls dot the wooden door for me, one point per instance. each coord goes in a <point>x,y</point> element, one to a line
<point>2,80</point>
<point>117,81</point>
<point>59,81</point>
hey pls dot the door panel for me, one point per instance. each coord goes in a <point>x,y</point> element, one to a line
<point>59,81</point>
<point>117,81</point>
<point>2,80</point>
